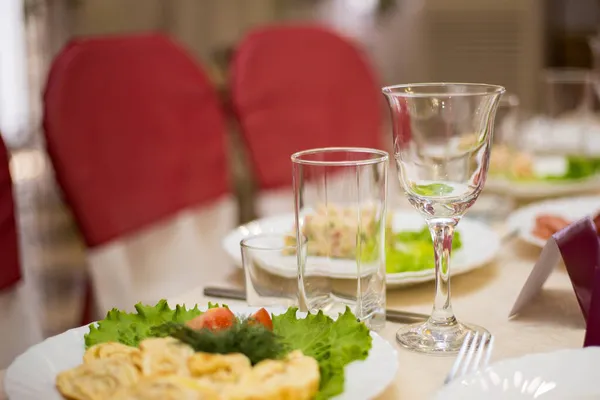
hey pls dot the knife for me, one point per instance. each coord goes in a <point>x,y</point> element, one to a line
<point>238,294</point>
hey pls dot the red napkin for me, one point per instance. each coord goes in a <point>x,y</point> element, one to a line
<point>580,250</point>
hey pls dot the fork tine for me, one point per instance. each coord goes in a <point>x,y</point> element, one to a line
<point>480,351</point>
<point>470,354</point>
<point>488,352</point>
<point>459,358</point>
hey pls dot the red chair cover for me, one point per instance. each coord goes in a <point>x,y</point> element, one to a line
<point>135,132</point>
<point>301,87</point>
<point>10,269</point>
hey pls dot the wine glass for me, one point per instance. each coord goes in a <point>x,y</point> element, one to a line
<point>442,143</point>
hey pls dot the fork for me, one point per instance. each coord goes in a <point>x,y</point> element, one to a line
<point>474,354</point>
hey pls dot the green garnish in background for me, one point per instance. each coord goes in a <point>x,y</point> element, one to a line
<point>577,168</point>
<point>406,251</point>
<point>413,251</point>
<point>334,344</point>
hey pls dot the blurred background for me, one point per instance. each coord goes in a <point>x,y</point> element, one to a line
<point>509,42</point>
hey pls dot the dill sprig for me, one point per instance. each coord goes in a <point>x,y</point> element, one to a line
<point>253,340</point>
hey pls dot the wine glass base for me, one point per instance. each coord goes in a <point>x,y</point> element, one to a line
<point>434,339</point>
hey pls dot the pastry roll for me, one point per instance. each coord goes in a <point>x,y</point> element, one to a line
<point>97,379</point>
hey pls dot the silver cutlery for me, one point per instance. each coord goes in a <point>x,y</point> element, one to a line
<point>239,294</point>
<point>474,354</point>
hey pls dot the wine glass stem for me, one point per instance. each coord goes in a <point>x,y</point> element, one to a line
<point>442,232</point>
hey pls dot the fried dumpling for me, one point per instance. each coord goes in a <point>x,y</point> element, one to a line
<point>168,388</point>
<point>295,378</point>
<point>104,351</point>
<point>97,379</point>
<point>219,368</point>
<point>163,356</point>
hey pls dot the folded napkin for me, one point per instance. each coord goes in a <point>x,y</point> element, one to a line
<point>579,247</point>
<point>580,250</point>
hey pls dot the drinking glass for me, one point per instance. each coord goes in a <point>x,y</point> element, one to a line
<point>560,141</point>
<point>442,143</point>
<point>270,262</point>
<point>340,207</point>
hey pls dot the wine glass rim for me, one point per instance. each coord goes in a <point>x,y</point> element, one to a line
<point>376,156</point>
<point>246,242</point>
<point>474,89</point>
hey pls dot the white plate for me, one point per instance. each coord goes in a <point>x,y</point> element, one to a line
<point>574,208</point>
<point>480,246</point>
<point>32,375</point>
<point>541,189</point>
<point>560,375</point>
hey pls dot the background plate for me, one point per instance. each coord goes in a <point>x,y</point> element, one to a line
<point>480,246</point>
<point>541,189</point>
<point>574,208</point>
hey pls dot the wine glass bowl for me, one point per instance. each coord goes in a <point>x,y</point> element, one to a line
<point>442,142</point>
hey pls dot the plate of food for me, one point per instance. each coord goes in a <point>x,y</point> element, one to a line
<point>409,248</point>
<point>522,174</point>
<point>536,222</point>
<point>214,353</point>
<point>535,376</point>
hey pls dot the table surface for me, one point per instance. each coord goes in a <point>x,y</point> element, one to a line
<point>484,297</point>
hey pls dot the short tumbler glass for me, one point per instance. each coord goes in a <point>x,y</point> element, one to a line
<point>270,269</point>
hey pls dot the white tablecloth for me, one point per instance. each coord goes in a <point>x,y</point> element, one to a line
<point>484,297</point>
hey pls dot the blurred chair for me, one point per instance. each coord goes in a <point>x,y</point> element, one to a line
<point>295,88</point>
<point>20,327</point>
<point>136,135</point>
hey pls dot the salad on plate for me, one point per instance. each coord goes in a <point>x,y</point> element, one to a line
<point>161,353</point>
<point>524,167</point>
<point>332,232</point>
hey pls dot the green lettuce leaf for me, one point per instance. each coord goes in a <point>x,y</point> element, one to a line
<point>413,251</point>
<point>334,344</point>
<point>131,328</point>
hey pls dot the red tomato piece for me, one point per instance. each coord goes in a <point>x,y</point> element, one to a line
<point>263,317</point>
<point>215,319</point>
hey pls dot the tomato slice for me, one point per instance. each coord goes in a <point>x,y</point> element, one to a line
<point>215,319</point>
<point>263,317</point>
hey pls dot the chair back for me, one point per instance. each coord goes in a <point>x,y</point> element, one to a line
<point>135,132</point>
<point>301,87</point>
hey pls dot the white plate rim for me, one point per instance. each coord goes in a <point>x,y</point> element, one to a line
<point>447,391</point>
<point>522,219</point>
<point>539,189</point>
<point>385,354</point>
<point>481,258</point>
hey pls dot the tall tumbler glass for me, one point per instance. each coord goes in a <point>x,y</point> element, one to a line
<point>340,207</point>
<point>442,143</point>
